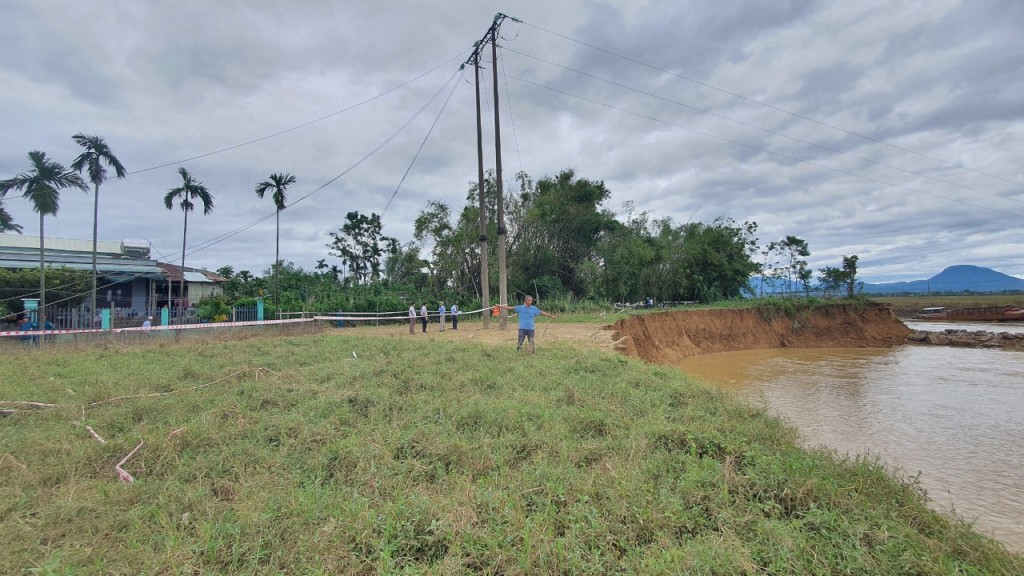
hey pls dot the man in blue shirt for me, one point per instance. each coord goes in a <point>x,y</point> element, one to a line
<point>27,325</point>
<point>527,312</point>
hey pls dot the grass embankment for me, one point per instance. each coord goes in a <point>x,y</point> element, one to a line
<point>420,456</point>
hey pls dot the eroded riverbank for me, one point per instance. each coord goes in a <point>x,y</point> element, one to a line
<point>668,337</point>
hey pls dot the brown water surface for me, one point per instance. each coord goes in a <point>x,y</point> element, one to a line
<point>956,415</point>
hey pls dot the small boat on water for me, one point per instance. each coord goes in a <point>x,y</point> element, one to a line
<point>975,314</point>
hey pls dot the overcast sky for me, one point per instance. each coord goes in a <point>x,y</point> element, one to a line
<point>891,130</point>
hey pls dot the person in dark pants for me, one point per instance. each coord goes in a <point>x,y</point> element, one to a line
<point>527,312</point>
<point>27,325</point>
<point>423,317</point>
<point>455,316</point>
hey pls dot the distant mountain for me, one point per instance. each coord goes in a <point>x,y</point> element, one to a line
<point>961,278</point>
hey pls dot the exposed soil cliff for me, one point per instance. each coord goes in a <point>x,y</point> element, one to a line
<point>670,336</point>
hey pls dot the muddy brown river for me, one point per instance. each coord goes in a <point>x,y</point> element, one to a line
<point>954,415</point>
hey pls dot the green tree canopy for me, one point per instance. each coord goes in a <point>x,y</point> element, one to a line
<point>186,195</point>
<point>7,222</point>
<point>362,246</point>
<point>42,186</point>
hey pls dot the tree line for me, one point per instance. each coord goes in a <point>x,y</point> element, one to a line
<point>562,243</point>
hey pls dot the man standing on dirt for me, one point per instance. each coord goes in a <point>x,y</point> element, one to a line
<point>527,312</point>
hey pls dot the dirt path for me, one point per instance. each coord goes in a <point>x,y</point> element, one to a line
<point>670,336</point>
<point>583,334</point>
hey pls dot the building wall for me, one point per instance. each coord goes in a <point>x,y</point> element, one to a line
<point>199,290</point>
<point>140,296</point>
<point>66,244</point>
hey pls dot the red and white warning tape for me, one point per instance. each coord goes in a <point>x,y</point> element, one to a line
<point>154,328</point>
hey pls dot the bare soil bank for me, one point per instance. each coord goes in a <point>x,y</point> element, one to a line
<point>671,336</point>
<point>668,337</point>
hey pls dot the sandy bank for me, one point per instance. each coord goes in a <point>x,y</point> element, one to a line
<point>671,336</point>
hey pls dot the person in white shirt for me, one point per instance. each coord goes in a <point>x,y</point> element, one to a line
<point>455,316</point>
<point>423,317</point>
<point>412,318</point>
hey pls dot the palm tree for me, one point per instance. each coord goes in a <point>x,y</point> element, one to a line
<point>7,222</point>
<point>96,154</point>
<point>279,184</point>
<point>42,186</point>
<point>189,190</point>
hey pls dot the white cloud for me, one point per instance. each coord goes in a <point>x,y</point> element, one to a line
<point>165,81</point>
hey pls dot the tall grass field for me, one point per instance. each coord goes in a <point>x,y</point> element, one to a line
<point>343,453</point>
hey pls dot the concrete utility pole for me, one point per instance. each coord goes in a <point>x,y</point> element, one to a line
<point>485,291</point>
<point>490,36</point>
<point>502,270</point>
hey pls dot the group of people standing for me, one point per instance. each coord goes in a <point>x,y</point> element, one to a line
<point>526,311</point>
<point>442,312</point>
<point>26,324</point>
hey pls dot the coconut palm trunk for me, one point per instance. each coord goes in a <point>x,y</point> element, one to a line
<point>277,266</point>
<point>42,279</point>
<point>278,184</point>
<point>95,235</point>
<point>92,160</point>
<point>42,186</point>
<point>181,286</point>
<point>189,190</point>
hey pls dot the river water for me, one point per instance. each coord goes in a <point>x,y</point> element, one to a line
<point>954,415</point>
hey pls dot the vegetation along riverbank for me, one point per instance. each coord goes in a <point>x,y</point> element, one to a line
<point>369,450</point>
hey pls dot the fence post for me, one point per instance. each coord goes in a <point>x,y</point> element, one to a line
<point>259,309</point>
<point>165,316</point>
<point>105,319</point>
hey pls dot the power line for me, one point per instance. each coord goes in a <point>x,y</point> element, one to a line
<point>420,149</point>
<point>508,100</point>
<point>768,130</point>
<point>216,240</point>
<point>760,149</point>
<point>304,124</point>
<point>769,106</point>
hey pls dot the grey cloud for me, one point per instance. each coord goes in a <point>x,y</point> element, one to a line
<point>168,80</point>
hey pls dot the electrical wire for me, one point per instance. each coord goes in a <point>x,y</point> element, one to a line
<point>508,104</point>
<point>207,244</point>
<point>765,150</point>
<point>420,149</point>
<point>767,130</point>
<point>304,124</point>
<point>769,106</point>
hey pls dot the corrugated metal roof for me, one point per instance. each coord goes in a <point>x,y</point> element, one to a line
<point>135,268</point>
<point>68,244</point>
<point>196,277</point>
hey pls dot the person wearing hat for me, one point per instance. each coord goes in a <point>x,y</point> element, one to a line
<point>148,323</point>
